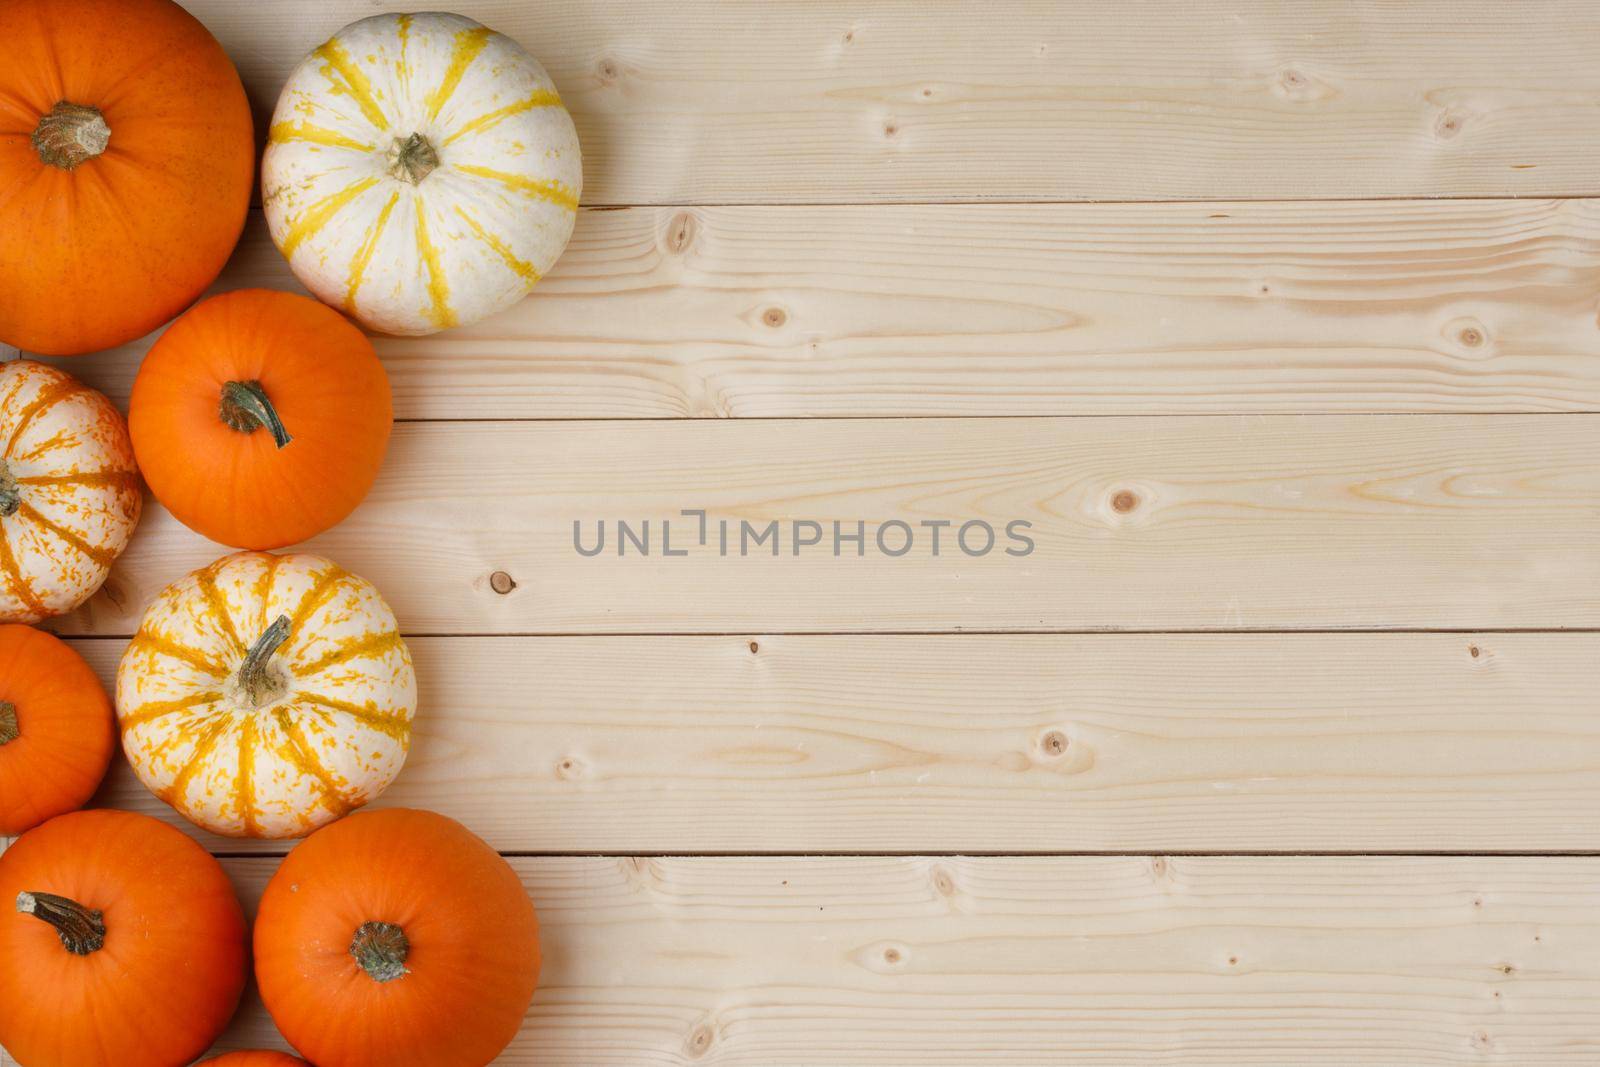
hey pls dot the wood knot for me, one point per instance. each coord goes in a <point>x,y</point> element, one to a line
<point>1054,743</point>
<point>681,232</point>
<point>943,882</point>
<point>891,128</point>
<point>569,768</point>
<point>1159,866</point>
<point>1448,125</point>
<point>608,70</point>
<point>1124,501</point>
<point>755,646</point>
<point>501,582</point>
<point>1474,651</point>
<point>1471,336</point>
<point>700,1040</point>
<point>774,317</point>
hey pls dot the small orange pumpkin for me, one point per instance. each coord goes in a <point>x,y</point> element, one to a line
<point>260,418</point>
<point>396,937</point>
<point>126,161</point>
<point>55,729</point>
<point>256,1058</point>
<point>125,944</point>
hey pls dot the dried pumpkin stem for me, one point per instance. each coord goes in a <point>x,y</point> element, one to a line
<point>261,686</point>
<point>9,730</point>
<point>381,949</point>
<point>412,159</point>
<point>71,134</point>
<point>82,930</point>
<point>245,407</point>
<point>10,495</point>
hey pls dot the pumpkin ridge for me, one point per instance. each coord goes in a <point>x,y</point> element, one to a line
<point>305,760</point>
<point>369,244</point>
<point>102,556</point>
<point>246,785</point>
<point>284,132</point>
<point>269,575</point>
<point>158,708</point>
<point>522,268</point>
<point>17,582</point>
<point>93,479</point>
<point>48,397</point>
<point>166,646</point>
<point>438,285</point>
<point>348,650</point>
<point>553,191</point>
<point>356,84</point>
<point>469,43</point>
<point>218,605</point>
<point>210,736</point>
<point>392,724</point>
<point>316,596</point>
<point>491,119</point>
<point>318,215</point>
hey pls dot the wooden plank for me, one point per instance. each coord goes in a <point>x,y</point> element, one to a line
<point>1015,743</point>
<point>1043,309</point>
<point>1138,524</point>
<point>1096,961</point>
<point>1024,99</point>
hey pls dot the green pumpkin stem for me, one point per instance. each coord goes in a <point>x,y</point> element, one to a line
<point>10,494</point>
<point>82,930</point>
<point>381,949</point>
<point>71,134</point>
<point>261,686</point>
<point>412,159</point>
<point>246,408</point>
<point>9,730</point>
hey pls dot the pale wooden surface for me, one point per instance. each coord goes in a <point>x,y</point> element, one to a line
<point>759,267</point>
<point>1034,309</point>
<point>1096,961</point>
<point>1272,522</point>
<point>1021,743</point>
<point>709,102</point>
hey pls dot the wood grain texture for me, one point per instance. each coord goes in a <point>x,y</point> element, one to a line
<point>1015,743</point>
<point>1111,962</point>
<point>1024,99</point>
<point>1041,309</point>
<point>1221,523</point>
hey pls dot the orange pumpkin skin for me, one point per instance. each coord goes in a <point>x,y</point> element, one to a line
<point>231,480</point>
<point>257,1059</point>
<point>449,937</point>
<point>167,972</point>
<point>56,729</point>
<point>108,250</point>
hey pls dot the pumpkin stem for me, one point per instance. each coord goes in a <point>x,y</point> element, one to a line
<point>10,495</point>
<point>381,949</point>
<point>246,408</point>
<point>9,730</point>
<point>260,685</point>
<point>412,159</point>
<point>82,930</point>
<point>71,134</point>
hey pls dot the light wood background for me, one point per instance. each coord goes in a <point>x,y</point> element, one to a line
<point>1280,322</point>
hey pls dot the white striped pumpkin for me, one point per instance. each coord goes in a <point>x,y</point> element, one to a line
<point>69,491</point>
<point>420,172</point>
<point>264,696</point>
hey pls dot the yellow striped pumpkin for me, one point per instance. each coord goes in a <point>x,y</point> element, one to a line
<point>420,172</point>
<point>69,491</point>
<point>265,696</point>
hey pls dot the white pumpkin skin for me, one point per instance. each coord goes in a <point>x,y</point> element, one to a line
<point>450,230</point>
<point>327,729</point>
<point>70,494</point>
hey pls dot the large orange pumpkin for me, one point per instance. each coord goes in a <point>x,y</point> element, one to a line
<point>396,938</point>
<point>126,160</point>
<point>256,1059</point>
<point>260,418</point>
<point>125,944</point>
<point>55,729</point>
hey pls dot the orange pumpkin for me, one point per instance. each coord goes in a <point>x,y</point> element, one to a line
<point>126,944</point>
<point>257,1059</point>
<point>396,938</point>
<point>260,418</point>
<point>126,161</point>
<point>55,729</point>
